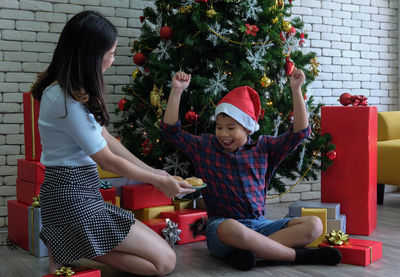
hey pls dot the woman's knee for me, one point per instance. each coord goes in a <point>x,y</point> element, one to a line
<point>166,262</point>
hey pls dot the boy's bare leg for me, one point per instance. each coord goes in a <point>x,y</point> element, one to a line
<point>299,232</point>
<point>233,233</point>
<point>280,245</point>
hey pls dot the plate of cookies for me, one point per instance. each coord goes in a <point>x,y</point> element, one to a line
<point>196,183</point>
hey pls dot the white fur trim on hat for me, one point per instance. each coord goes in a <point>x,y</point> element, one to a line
<point>243,118</point>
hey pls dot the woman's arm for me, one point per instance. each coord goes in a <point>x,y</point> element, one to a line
<point>117,164</point>
<point>118,149</point>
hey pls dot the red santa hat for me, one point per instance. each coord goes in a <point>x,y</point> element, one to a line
<point>243,105</point>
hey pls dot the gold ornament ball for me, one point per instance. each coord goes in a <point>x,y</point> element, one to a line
<point>211,12</point>
<point>286,26</point>
<point>135,73</point>
<point>185,9</point>
<point>265,82</point>
<point>274,20</point>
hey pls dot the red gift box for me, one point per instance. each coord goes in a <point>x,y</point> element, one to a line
<point>108,195</point>
<point>156,224</point>
<point>31,171</point>
<point>26,191</point>
<point>140,196</point>
<point>185,218</point>
<point>358,251</point>
<point>82,272</point>
<point>33,147</point>
<point>18,223</point>
<point>351,180</point>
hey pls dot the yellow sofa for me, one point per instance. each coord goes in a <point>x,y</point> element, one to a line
<point>388,168</point>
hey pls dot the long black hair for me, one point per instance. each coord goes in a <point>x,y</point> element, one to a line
<point>77,62</point>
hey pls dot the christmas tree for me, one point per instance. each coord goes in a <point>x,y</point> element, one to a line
<point>223,44</point>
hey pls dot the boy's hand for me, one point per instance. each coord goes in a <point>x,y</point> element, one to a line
<point>297,79</point>
<point>181,81</point>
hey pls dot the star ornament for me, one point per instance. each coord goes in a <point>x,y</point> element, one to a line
<point>171,232</point>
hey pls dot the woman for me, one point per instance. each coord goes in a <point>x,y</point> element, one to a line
<point>77,223</point>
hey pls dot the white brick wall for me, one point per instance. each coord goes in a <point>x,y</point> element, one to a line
<point>356,42</point>
<point>29,31</point>
<point>358,45</point>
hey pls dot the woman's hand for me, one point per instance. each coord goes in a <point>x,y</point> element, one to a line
<point>172,187</point>
<point>181,81</point>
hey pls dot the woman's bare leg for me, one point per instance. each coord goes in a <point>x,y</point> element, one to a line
<point>142,252</point>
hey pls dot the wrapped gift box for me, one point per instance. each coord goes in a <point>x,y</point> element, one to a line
<point>185,220</point>
<point>181,204</point>
<point>358,251</point>
<point>141,196</point>
<point>33,147</point>
<point>351,180</point>
<point>109,195</point>
<point>333,209</point>
<point>152,212</point>
<point>26,191</point>
<point>321,213</point>
<point>337,224</point>
<point>105,173</point>
<point>30,171</point>
<point>18,223</point>
<point>117,201</point>
<point>117,183</point>
<point>156,224</point>
<point>36,245</point>
<point>81,272</point>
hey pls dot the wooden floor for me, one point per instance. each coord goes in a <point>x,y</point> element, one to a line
<point>194,259</point>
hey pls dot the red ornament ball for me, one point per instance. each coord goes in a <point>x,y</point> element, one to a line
<point>166,32</point>
<point>191,116</point>
<point>331,155</point>
<point>289,67</point>
<point>121,104</point>
<point>139,58</point>
<point>345,99</point>
<point>142,18</point>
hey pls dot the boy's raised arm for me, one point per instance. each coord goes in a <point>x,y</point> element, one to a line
<point>180,82</point>
<point>300,116</point>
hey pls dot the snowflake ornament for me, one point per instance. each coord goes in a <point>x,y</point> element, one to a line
<point>161,51</point>
<point>217,84</point>
<point>252,9</point>
<point>217,30</point>
<point>173,164</point>
<point>256,59</point>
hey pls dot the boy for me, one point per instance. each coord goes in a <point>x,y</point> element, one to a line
<point>237,171</point>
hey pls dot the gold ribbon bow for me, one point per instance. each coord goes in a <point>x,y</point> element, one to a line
<point>337,237</point>
<point>36,202</point>
<point>64,271</point>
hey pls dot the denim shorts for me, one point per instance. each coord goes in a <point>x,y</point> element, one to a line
<point>261,225</point>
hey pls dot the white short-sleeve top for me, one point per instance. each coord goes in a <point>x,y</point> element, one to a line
<point>69,133</point>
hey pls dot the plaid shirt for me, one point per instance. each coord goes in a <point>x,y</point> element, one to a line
<point>236,182</point>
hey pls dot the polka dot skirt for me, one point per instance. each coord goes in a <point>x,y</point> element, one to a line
<point>77,223</point>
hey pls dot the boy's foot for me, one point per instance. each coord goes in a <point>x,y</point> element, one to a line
<point>325,255</point>
<point>241,259</point>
